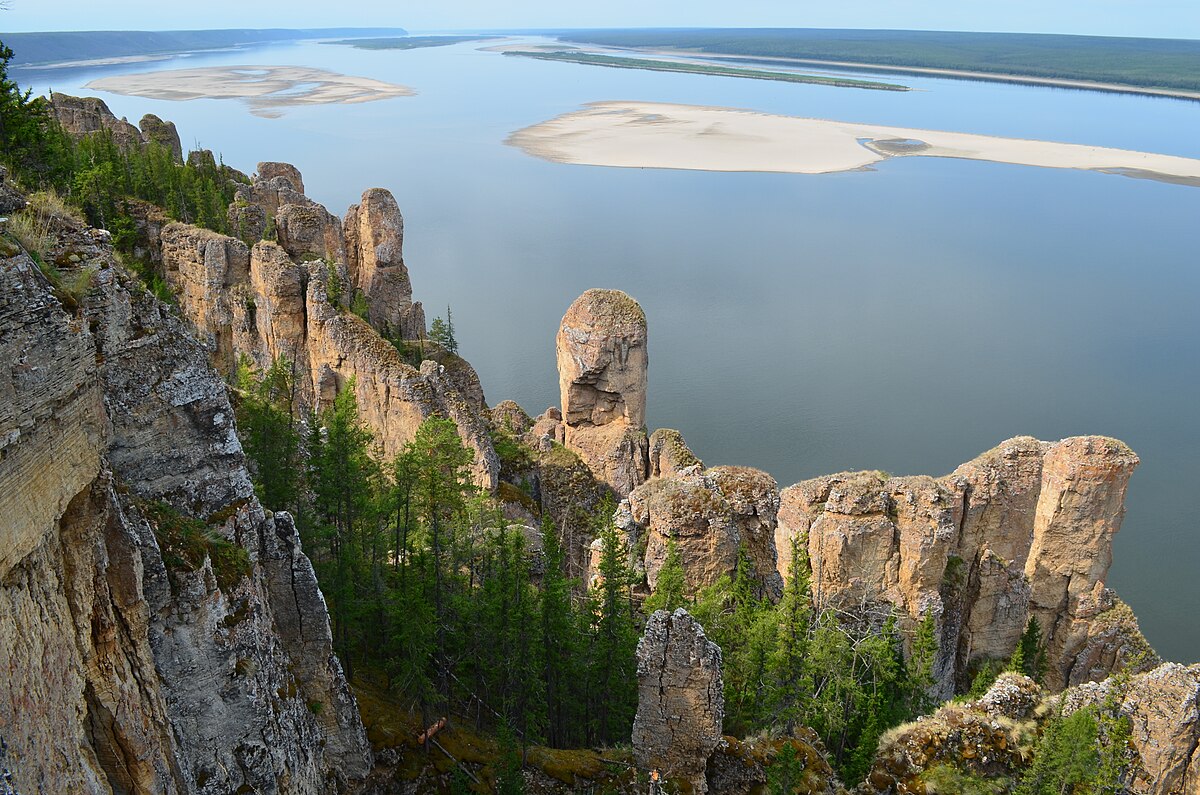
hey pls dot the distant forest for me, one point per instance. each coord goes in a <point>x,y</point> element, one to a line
<point>43,48</point>
<point>1145,63</point>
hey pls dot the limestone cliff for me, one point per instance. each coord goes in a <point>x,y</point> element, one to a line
<point>83,115</point>
<point>1023,531</point>
<point>289,299</point>
<point>162,633</point>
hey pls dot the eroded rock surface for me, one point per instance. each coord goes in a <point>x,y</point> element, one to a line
<point>130,669</point>
<point>374,233</point>
<point>602,373</point>
<point>670,455</point>
<point>1023,531</point>
<point>681,701</point>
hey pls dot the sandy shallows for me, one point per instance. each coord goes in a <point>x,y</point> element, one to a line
<point>265,89</point>
<point>662,135</point>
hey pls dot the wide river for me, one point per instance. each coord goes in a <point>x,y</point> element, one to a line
<point>904,319</point>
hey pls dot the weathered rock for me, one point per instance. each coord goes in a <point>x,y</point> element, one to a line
<point>681,701</point>
<point>1164,709</point>
<point>1079,510</point>
<point>268,171</point>
<point>131,672</point>
<point>11,199</point>
<point>374,234</point>
<point>547,428</point>
<point>709,516</point>
<point>84,115</point>
<point>1023,530</point>
<point>511,417</point>
<point>602,372</point>
<point>691,513</point>
<point>307,231</point>
<point>274,303</point>
<point>163,133</point>
<point>753,497</point>
<point>670,455</point>
<point>203,266</point>
<point>982,737</point>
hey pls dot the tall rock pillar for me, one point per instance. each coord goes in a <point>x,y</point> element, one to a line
<point>602,368</point>
<point>681,699</point>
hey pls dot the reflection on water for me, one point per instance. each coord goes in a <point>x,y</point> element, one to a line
<point>905,319</point>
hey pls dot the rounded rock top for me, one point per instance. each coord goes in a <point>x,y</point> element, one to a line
<point>611,309</point>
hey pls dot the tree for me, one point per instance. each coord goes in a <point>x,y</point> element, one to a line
<point>560,641</point>
<point>671,590</point>
<point>268,430</point>
<point>1029,657</point>
<point>1067,756</point>
<point>442,332</point>
<point>612,669</point>
<point>919,669</point>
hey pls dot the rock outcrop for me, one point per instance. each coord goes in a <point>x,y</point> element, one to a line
<point>602,373</point>
<point>288,299</point>
<point>84,115</point>
<point>710,516</point>
<point>681,701</point>
<point>163,133</point>
<point>135,663</point>
<point>1163,708</point>
<point>670,455</point>
<point>374,233</point>
<point>1023,531</point>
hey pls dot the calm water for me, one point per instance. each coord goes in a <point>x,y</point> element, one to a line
<point>903,319</point>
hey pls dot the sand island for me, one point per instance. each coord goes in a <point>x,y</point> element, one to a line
<point>700,138</point>
<point>266,89</point>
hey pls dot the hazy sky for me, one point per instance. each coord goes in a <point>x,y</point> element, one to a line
<point>1158,18</point>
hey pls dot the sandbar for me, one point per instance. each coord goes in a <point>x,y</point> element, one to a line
<point>700,138</point>
<point>266,89</point>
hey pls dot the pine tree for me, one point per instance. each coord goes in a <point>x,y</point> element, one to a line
<point>613,680</point>
<point>1029,657</point>
<point>670,592</point>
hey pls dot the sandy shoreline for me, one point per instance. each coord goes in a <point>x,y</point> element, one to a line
<point>266,89</point>
<point>690,137</point>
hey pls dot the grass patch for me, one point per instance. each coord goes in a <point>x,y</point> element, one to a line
<point>186,543</point>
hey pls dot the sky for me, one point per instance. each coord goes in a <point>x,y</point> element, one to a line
<point>1153,18</point>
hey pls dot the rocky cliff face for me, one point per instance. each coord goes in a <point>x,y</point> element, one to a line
<point>161,632</point>
<point>288,299</point>
<point>992,736</point>
<point>602,370</point>
<point>681,701</point>
<point>1023,531</point>
<point>83,115</point>
<point>711,516</point>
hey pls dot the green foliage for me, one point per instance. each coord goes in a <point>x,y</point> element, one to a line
<point>788,665</point>
<point>985,676</point>
<point>1029,657</point>
<point>32,144</point>
<point>360,306</point>
<point>1067,757</point>
<point>515,457</point>
<point>612,676</point>
<point>671,590</point>
<point>946,779</point>
<point>333,284</point>
<point>186,543</point>
<point>264,410</point>
<point>442,333</point>
<point>785,773</point>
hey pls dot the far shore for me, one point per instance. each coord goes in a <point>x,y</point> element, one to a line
<point>961,74</point>
<point>699,138</point>
<point>266,89</point>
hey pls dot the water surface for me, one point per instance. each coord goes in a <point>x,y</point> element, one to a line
<point>905,319</point>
